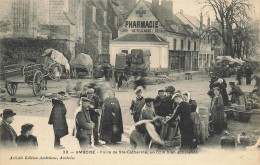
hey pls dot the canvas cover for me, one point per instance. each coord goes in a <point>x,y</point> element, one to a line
<point>81,61</point>
<point>56,56</point>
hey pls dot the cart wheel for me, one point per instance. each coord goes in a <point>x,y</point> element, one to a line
<point>37,82</point>
<point>11,88</point>
<point>51,70</point>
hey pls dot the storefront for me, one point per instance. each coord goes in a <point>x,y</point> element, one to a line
<point>172,46</point>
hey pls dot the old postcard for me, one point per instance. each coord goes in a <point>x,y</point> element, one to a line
<point>129,82</point>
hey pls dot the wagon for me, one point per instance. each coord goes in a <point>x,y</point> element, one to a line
<point>30,74</point>
<point>54,59</point>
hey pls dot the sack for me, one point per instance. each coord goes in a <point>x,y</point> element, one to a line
<point>83,133</point>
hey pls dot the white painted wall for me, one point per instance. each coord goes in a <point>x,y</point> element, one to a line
<point>159,53</point>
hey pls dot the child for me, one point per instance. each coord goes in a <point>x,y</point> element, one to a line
<point>26,139</point>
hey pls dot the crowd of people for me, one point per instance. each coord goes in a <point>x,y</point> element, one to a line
<point>158,121</point>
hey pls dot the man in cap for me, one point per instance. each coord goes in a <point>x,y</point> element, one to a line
<point>185,123</point>
<point>147,112</point>
<point>137,105</point>
<point>83,123</point>
<point>26,140</point>
<point>144,131</point>
<point>7,133</point>
<point>168,103</point>
<point>94,112</point>
<point>158,102</point>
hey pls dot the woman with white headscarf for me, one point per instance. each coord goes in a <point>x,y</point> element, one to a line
<point>221,83</point>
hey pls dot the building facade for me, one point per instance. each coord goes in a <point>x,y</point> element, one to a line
<point>175,45</point>
<point>210,43</point>
<point>89,22</point>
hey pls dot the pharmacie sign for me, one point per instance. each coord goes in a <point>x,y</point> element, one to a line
<point>142,26</point>
<point>141,20</point>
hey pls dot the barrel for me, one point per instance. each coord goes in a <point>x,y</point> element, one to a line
<point>68,86</point>
<point>202,132</point>
<point>204,116</point>
<point>78,86</point>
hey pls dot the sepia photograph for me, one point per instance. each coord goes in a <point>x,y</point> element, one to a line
<point>129,82</point>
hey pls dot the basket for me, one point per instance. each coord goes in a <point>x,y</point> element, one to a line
<point>237,114</point>
<point>245,116</point>
<point>239,107</point>
<point>229,113</point>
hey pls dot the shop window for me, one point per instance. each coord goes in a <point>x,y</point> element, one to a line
<point>181,44</point>
<point>174,44</point>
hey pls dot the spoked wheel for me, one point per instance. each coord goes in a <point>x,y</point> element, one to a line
<point>37,82</point>
<point>11,88</point>
<point>52,70</point>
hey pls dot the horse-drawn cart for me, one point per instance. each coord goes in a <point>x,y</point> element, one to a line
<point>31,75</point>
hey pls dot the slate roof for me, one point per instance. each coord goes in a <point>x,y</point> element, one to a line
<point>169,22</point>
<point>141,38</point>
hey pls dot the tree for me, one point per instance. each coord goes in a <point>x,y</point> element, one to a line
<point>246,39</point>
<point>229,14</point>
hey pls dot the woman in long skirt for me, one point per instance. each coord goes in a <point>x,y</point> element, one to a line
<point>217,111</point>
<point>111,127</point>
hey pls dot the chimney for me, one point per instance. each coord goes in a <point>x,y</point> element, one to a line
<point>155,6</point>
<point>201,21</point>
<point>167,6</point>
<point>181,11</point>
<point>208,22</point>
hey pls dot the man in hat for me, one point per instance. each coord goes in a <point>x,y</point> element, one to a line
<point>239,75</point>
<point>84,125</point>
<point>7,133</point>
<point>145,131</point>
<point>58,120</point>
<point>137,105</point>
<point>185,123</point>
<point>169,102</point>
<point>248,73</point>
<point>26,140</point>
<point>94,111</point>
<point>158,102</point>
<point>147,112</point>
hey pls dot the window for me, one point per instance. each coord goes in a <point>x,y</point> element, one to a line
<point>181,44</point>
<point>105,18</point>
<point>99,42</point>
<point>188,44</point>
<point>124,51</point>
<point>21,16</point>
<point>195,46</point>
<point>93,13</point>
<point>174,44</point>
<point>115,21</point>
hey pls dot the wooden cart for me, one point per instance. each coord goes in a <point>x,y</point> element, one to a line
<point>30,74</point>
